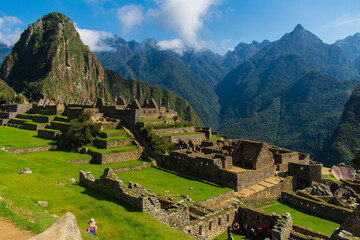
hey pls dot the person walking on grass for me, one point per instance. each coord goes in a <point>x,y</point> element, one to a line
<point>92,229</point>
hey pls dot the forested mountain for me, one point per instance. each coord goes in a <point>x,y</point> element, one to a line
<point>242,52</point>
<point>147,63</point>
<point>50,60</point>
<point>271,96</point>
<point>4,51</point>
<point>351,48</point>
<point>346,137</point>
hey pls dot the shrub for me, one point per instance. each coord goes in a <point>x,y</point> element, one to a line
<point>355,162</point>
<point>82,131</point>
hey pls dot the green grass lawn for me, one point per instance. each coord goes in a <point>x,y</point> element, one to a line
<point>114,150</point>
<point>224,237</point>
<point>215,137</point>
<point>151,120</point>
<point>304,218</point>
<point>115,220</point>
<point>125,136</point>
<point>164,182</point>
<point>114,131</point>
<point>20,138</point>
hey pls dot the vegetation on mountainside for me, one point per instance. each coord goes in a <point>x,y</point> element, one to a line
<point>279,96</point>
<point>8,95</point>
<point>163,69</point>
<point>40,64</point>
<point>346,137</point>
<point>355,162</point>
<point>142,91</point>
<point>158,145</point>
<point>81,131</point>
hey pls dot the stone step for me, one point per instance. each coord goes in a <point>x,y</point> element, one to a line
<point>267,183</point>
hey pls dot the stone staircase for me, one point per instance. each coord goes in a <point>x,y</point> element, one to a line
<point>261,186</point>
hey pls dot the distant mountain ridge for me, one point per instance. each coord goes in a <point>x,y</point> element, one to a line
<point>255,97</point>
<point>351,48</point>
<point>4,51</point>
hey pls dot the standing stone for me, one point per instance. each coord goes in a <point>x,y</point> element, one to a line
<point>65,228</point>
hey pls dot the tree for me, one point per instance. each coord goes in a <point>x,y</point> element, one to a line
<point>355,162</point>
<point>82,131</point>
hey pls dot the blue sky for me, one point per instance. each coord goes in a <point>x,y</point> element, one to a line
<point>216,24</point>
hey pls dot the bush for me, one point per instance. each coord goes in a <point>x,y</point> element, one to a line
<point>82,131</point>
<point>159,145</point>
<point>355,162</point>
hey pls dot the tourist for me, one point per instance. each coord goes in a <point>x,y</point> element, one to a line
<point>229,232</point>
<point>92,229</point>
<point>236,228</point>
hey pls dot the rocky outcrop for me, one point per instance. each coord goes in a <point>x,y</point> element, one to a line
<point>65,228</point>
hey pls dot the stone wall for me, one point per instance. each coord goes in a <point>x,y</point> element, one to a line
<point>322,209</point>
<point>305,173</point>
<point>106,144</point>
<point>209,203</point>
<point>62,126</point>
<point>212,225</point>
<point>18,108</point>
<point>110,125</point>
<point>30,150</point>
<point>48,134</point>
<point>195,138</point>
<point>174,130</point>
<point>105,158</point>
<point>31,126</point>
<point>7,115</point>
<point>270,193</point>
<point>252,177</point>
<point>138,167</point>
<point>310,233</point>
<point>353,184</point>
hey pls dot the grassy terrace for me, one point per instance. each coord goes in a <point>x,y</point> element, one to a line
<point>151,120</point>
<point>114,150</point>
<point>164,182</point>
<point>177,134</point>
<point>114,131</point>
<point>215,137</point>
<point>20,138</point>
<point>21,192</point>
<point>43,115</point>
<point>126,136</point>
<point>302,217</point>
<point>30,121</point>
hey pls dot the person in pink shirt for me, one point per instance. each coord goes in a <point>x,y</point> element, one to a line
<point>92,229</point>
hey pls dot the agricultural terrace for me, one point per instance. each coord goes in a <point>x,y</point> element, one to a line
<point>302,217</point>
<point>51,171</point>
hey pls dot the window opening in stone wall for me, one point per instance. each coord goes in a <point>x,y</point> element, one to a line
<point>200,230</point>
<point>258,219</point>
<point>210,225</point>
<point>228,218</point>
<point>219,221</point>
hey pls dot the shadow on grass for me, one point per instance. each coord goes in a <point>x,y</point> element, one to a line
<point>308,212</point>
<point>104,197</point>
<point>190,177</point>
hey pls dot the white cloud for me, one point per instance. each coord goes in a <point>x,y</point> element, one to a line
<point>95,39</point>
<point>9,33</point>
<point>175,45</point>
<point>130,16</point>
<point>186,17</point>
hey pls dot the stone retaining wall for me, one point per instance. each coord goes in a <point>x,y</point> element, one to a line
<point>30,126</point>
<point>252,177</point>
<point>322,209</point>
<point>62,126</point>
<point>48,134</point>
<point>174,130</point>
<point>106,144</point>
<point>7,115</point>
<point>209,203</point>
<point>309,232</point>
<point>30,150</point>
<point>110,135</point>
<point>195,138</point>
<point>354,185</point>
<point>105,158</point>
<point>138,167</point>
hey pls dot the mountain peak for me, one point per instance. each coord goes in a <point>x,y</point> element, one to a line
<point>299,28</point>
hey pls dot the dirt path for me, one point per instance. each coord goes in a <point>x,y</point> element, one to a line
<point>10,232</point>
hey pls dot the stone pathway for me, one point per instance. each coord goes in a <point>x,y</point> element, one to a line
<point>10,232</point>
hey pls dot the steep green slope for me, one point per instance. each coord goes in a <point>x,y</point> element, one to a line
<point>50,60</point>
<point>346,137</point>
<point>7,94</point>
<point>142,91</point>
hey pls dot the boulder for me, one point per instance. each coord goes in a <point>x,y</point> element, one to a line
<point>26,170</point>
<point>43,203</point>
<point>65,228</point>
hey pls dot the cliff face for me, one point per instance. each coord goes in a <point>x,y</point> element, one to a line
<point>50,60</point>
